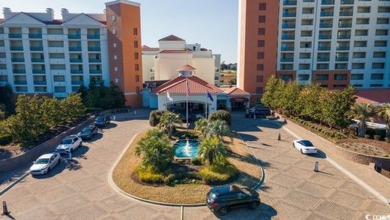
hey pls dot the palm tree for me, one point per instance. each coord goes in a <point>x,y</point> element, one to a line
<point>155,151</point>
<point>217,128</point>
<point>362,112</point>
<point>201,125</point>
<point>384,114</point>
<point>168,121</point>
<point>212,151</point>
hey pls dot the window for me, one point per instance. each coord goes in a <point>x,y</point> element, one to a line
<point>115,69</point>
<point>378,65</point>
<point>115,57</point>
<point>135,44</point>
<point>260,67</point>
<point>261,31</point>
<point>381,32</point>
<point>357,76</point>
<point>380,43</point>
<point>135,31</point>
<point>114,45</point>
<point>304,66</point>
<point>303,77</point>
<point>136,55</point>
<point>379,55</point>
<point>259,90</point>
<point>261,19</point>
<point>340,77</point>
<point>260,43</point>
<point>114,31</point>
<point>262,6</point>
<point>136,78</point>
<point>136,67</point>
<point>375,76</point>
<point>259,78</point>
<point>113,18</point>
<point>322,77</point>
<point>260,55</point>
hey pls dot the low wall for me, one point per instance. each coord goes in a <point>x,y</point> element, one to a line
<point>46,147</point>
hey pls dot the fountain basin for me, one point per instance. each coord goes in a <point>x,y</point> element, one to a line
<point>186,149</point>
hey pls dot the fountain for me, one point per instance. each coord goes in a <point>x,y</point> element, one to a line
<point>186,149</point>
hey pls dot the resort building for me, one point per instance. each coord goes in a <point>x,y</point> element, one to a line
<point>173,52</point>
<point>331,42</point>
<point>43,55</point>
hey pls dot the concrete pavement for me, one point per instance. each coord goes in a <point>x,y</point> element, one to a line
<point>291,189</point>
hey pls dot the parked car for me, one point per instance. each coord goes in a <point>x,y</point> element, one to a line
<point>102,120</point>
<point>304,146</point>
<point>221,198</point>
<point>69,144</point>
<point>88,132</point>
<point>45,163</point>
<point>257,111</point>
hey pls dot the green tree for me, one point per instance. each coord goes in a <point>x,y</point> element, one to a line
<point>155,117</point>
<point>155,151</point>
<point>221,115</point>
<point>273,92</point>
<point>52,113</point>
<point>362,112</point>
<point>289,99</point>
<point>168,121</point>
<point>384,114</point>
<point>218,129</point>
<point>72,107</point>
<point>212,151</point>
<point>7,98</point>
<point>310,100</point>
<point>201,125</point>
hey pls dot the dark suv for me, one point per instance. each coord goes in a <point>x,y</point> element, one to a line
<point>102,120</point>
<point>257,111</point>
<point>221,198</point>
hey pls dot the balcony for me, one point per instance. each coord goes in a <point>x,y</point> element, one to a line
<point>326,25</point>
<point>288,37</point>
<point>93,48</point>
<point>347,2</point>
<point>76,71</point>
<point>287,48</point>
<point>17,59</point>
<point>287,59</point>
<point>20,82</point>
<point>39,82</point>
<point>341,58</point>
<point>15,35</point>
<point>16,48</point>
<point>95,71</point>
<point>74,36</point>
<point>342,48</point>
<point>77,82</point>
<point>94,60</point>
<point>93,36</point>
<point>75,60</point>
<point>19,70</point>
<point>344,36</point>
<point>326,13</point>
<point>289,2</point>
<point>346,13</point>
<point>323,48</point>
<point>345,25</point>
<point>286,25</point>
<point>36,48</point>
<point>327,2</point>
<point>37,60</point>
<point>35,36</point>
<point>39,71</point>
<point>323,59</point>
<point>289,14</point>
<point>325,36</point>
<point>74,48</point>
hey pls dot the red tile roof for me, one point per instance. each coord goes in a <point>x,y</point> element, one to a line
<point>373,96</point>
<point>187,68</point>
<point>196,86</point>
<point>171,38</point>
<point>235,91</point>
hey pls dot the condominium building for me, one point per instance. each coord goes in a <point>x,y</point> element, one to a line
<point>331,42</point>
<point>162,63</point>
<point>43,55</point>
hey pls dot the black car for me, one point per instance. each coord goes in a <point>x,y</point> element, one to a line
<point>221,198</point>
<point>257,111</point>
<point>88,132</point>
<point>102,120</point>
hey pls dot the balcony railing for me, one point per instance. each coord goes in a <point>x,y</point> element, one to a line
<point>326,13</point>
<point>342,59</point>
<point>344,36</point>
<point>77,82</point>
<point>346,2</point>
<point>325,36</point>
<point>342,48</point>
<point>289,14</point>
<point>287,59</point>
<point>285,25</point>
<point>76,71</point>
<point>39,48</point>
<point>288,37</point>
<point>19,71</point>
<point>39,35</point>
<point>39,82</point>
<point>75,60</point>
<point>74,36</point>
<point>323,59</point>
<point>93,36</point>
<point>345,25</point>
<point>16,48</point>
<point>322,48</point>
<point>326,25</point>
<point>20,82</point>
<point>74,48</point>
<point>15,35</point>
<point>287,48</point>
<point>289,2</point>
<point>327,2</point>
<point>346,13</point>
<point>38,71</point>
<point>95,71</point>
<point>37,60</point>
<point>93,48</point>
<point>94,60</point>
<point>17,59</point>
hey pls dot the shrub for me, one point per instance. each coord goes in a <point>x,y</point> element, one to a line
<point>154,117</point>
<point>196,161</point>
<point>221,115</point>
<point>387,139</point>
<point>148,176</point>
<point>5,139</point>
<point>219,174</point>
<point>367,136</point>
<point>182,178</point>
<point>377,137</point>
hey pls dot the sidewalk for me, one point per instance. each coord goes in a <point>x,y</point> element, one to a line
<point>365,173</point>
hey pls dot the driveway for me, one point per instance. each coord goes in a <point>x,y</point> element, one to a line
<point>291,189</point>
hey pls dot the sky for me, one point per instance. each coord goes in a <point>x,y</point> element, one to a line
<point>211,23</point>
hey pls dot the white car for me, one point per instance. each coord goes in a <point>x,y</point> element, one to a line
<point>304,146</point>
<point>45,163</point>
<point>69,144</point>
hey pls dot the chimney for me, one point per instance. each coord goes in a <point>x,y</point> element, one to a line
<point>50,12</point>
<point>7,13</point>
<point>64,13</point>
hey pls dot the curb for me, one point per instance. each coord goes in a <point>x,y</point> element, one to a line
<point>130,196</point>
<point>14,183</point>
<point>258,185</point>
